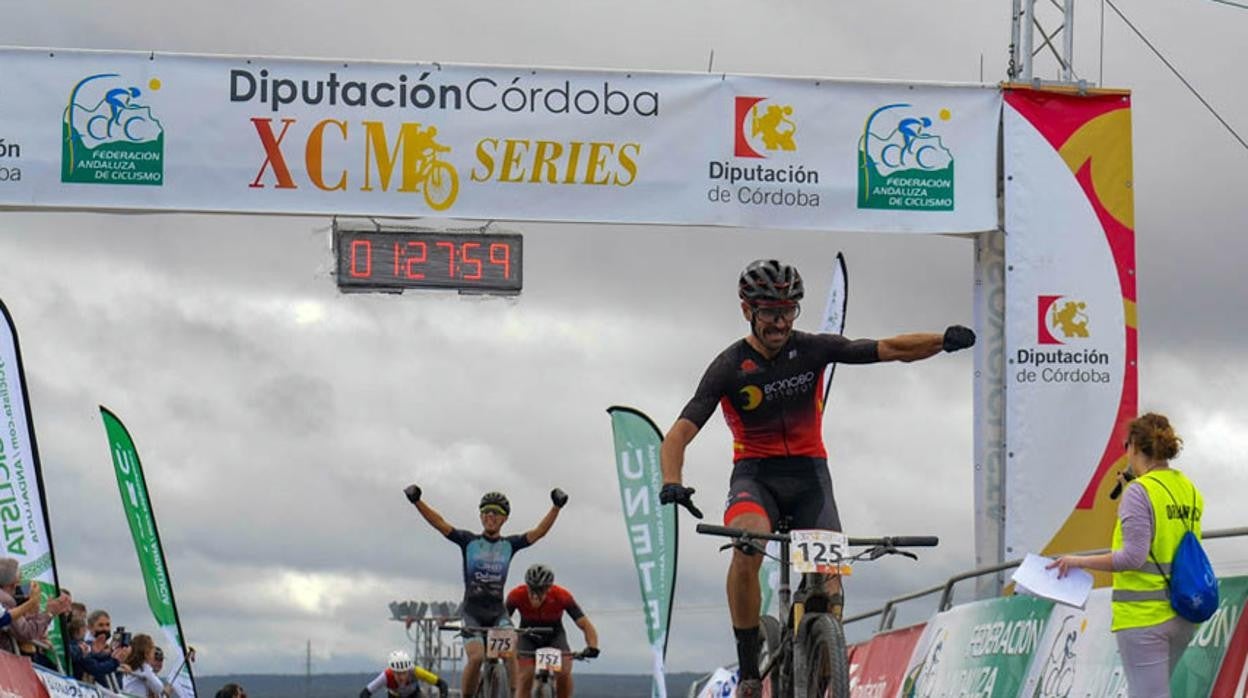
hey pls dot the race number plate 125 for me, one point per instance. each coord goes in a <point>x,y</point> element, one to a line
<point>500,642</point>
<point>818,551</point>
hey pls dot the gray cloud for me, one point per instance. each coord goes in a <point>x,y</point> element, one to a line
<point>278,419</point>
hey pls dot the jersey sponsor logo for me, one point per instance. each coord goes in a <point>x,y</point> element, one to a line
<point>748,366</point>
<point>793,385</point>
<point>753,397</point>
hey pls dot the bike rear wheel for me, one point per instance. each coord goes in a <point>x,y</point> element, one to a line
<point>823,663</point>
<point>780,676</point>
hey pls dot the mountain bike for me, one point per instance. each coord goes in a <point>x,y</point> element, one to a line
<point>547,665</point>
<point>500,645</point>
<point>806,656</point>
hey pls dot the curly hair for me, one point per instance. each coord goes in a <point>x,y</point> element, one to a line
<point>1154,437</point>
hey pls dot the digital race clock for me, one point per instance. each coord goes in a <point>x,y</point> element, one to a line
<point>394,261</point>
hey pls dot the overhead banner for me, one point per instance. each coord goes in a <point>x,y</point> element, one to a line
<point>142,520</point>
<point>1070,334</point>
<point>175,132</point>
<point>652,531</point>
<point>23,509</point>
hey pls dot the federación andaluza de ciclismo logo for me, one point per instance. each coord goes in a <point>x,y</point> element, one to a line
<point>902,163</point>
<point>109,134</point>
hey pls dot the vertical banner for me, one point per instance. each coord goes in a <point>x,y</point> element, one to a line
<point>23,510</point>
<point>651,527</point>
<point>834,311</point>
<point>1070,333</point>
<point>142,520</point>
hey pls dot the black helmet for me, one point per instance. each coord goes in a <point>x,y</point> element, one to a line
<point>767,280</point>
<point>539,576</point>
<point>496,501</point>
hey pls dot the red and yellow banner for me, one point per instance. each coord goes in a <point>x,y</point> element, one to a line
<point>1071,343</point>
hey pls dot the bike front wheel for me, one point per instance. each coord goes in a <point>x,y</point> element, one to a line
<point>543,688</point>
<point>494,682</point>
<point>823,663</point>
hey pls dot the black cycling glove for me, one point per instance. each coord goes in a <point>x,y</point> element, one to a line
<point>413,493</point>
<point>591,652</point>
<point>558,497</point>
<point>673,493</point>
<point>958,337</point>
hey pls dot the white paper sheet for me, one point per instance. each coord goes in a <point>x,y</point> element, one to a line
<point>1032,578</point>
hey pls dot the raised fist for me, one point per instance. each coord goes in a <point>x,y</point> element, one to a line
<point>558,497</point>
<point>958,337</point>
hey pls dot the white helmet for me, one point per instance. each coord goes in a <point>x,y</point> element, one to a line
<point>400,661</point>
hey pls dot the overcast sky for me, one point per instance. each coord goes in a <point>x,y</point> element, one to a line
<point>278,420</point>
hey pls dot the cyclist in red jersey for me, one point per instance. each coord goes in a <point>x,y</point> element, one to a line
<point>541,604</point>
<point>769,386</point>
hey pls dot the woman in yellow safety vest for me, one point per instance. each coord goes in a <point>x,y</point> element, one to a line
<point>1157,508</point>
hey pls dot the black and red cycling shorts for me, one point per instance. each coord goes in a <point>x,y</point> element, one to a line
<point>794,487</point>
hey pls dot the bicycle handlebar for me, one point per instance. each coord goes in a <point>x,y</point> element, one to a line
<point>538,630</point>
<point>886,541</point>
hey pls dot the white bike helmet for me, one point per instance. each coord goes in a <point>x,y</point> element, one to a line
<point>400,661</point>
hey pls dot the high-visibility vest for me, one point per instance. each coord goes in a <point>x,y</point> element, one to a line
<point>1141,597</point>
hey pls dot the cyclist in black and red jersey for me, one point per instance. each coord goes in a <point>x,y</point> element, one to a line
<point>541,604</point>
<point>770,388</point>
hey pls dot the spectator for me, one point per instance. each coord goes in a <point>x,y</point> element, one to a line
<point>231,690</point>
<point>103,658</point>
<point>158,666</point>
<point>28,635</point>
<point>75,640</point>
<point>142,680</point>
<point>78,610</point>
<point>31,605</point>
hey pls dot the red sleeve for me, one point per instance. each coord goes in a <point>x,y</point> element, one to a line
<point>567,603</point>
<point>515,597</point>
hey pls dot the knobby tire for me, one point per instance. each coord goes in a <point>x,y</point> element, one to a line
<point>823,663</point>
<point>780,677</point>
<point>543,689</point>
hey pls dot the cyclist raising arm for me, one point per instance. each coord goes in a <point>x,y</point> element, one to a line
<point>486,559</point>
<point>769,386</point>
<point>541,604</point>
<point>401,679</point>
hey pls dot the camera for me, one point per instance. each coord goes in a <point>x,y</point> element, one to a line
<point>121,637</point>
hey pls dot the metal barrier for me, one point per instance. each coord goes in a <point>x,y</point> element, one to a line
<point>888,611</point>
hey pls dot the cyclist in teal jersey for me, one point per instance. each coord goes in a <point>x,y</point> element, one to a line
<point>770,389</point>
<point>487,558</point>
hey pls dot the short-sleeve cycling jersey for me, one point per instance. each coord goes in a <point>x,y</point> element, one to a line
<point>774,407</point>
<point>486,563</point>
<point>550,613</point>
<point>387,680</point>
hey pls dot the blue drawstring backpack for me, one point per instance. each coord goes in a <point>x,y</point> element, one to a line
<point>1192,583</point>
